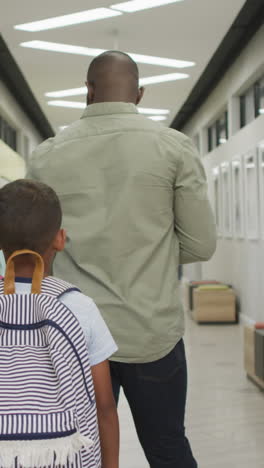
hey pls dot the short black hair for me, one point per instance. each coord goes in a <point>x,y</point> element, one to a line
<point>107,58</point>
<point>30,216</point>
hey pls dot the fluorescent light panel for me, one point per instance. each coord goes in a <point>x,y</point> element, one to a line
<point>138,5</point>
<point>82,105</point>
<point>69,104</point>
<point>143,81</point>
<point>68,20</point>
<point>162,62</point>
<point>91,15</point>
<point>78,50</point>
<point>158,118</point>
<point>163,78</point>
<point>63,48</point>
<point>67,92</point>
<point>143,110</point>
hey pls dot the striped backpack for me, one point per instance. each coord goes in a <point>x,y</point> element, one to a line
<point>47,406</point>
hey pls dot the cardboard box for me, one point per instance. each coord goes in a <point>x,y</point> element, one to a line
<point>214,305</point>
<point>195,284</point>
<point>259,354</point>
<point>249,350</point>
<point>251,356</point>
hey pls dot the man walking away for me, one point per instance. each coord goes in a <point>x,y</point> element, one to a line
<point>134,198</point>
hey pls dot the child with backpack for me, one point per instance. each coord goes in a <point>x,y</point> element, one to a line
<point>56,403</point>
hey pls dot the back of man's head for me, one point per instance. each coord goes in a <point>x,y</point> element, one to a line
<point>30,216</point>
<point>113,77</point>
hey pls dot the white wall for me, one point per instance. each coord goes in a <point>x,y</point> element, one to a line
<point>12,112</point>
<point>12,166</point>
<point>239,262</point>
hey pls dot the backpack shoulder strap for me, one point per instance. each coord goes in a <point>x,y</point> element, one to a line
<point>50,286</point>
<point>47,286</point>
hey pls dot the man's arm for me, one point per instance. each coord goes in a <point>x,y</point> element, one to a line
<point>30,173</point>
<point>107,415</point>
<point>37,159</point>
<point>194,219</point>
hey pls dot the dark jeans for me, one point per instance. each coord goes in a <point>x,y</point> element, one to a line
<point>156,393</point>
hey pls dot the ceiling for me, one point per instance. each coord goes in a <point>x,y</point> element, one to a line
<point>189,30</point>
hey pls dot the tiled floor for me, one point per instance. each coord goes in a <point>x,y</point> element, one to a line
<point>225,413</point>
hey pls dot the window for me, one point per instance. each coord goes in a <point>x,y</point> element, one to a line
<point>210,138</point>
<point>242,111</point>
<point>222,129</point>
<point>259,97</point>
<point>252,103</point>
<point>8,134</point>
<point>217,133</point>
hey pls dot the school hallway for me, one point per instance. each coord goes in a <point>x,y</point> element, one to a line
<point>225,411</point>
<point>146,117</point>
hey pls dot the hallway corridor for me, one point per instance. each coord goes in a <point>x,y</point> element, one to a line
<point>225,411</point>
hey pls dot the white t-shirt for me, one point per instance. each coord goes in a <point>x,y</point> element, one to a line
<point>2,263</point>
<point>100,343</point>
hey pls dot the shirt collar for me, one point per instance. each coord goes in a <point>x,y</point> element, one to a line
<point>108,108</point>
<point>20,279</point>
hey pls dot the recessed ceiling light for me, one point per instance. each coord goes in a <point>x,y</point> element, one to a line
<point>153,111</point>
<point>63,48</point>
<point>68,20</point>
<point>137,5</point>
<point>162,62</point>
<point>157,118</point>
<point>78,50</point>
<point>82,105</point>
<point>163,78</point>
<point>71,104</point>
<point>143,81</point>
<point>67,92</point>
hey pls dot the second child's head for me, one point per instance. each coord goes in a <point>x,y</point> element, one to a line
<point>30,218</point>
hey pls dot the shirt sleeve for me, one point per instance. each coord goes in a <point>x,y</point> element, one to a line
<point>194,220</point>
<point>36,161</point>
<point>100,343</point>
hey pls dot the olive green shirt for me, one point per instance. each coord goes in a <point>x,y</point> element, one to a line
<point>134,199</point>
